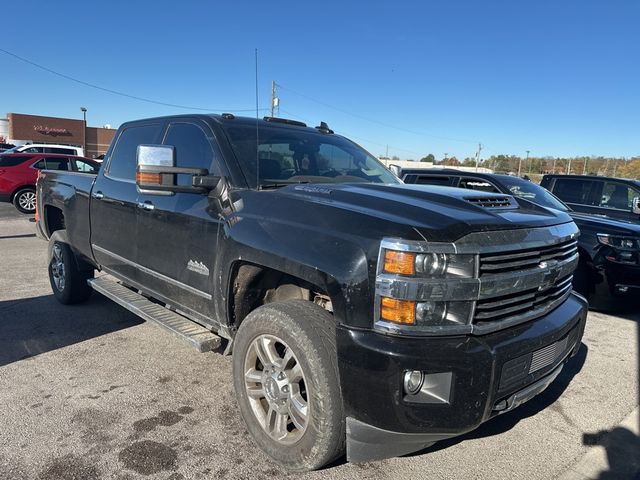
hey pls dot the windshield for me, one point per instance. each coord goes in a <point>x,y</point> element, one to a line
<point>12,150</point>
<point>533,192</point>
<point>288,155</point>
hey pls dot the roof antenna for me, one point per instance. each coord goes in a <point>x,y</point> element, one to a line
<point>257,135</point>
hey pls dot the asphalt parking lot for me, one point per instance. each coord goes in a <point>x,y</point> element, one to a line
<point>92,392</point>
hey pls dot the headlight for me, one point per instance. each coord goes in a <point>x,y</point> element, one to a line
<point>621,243</point>
<point>425,288</point>
<point>429,264</point>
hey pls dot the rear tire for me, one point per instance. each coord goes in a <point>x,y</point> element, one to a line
<point>68,282</point>
<point>25,200</point>
<point>286,380</point>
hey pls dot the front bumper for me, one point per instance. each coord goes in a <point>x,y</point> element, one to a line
<point>615,278</point>
<point>489,374</point>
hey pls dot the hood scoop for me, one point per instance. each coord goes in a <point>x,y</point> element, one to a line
<point>493,201</point>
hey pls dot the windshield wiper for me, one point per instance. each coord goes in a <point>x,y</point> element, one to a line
<point>271,186</point>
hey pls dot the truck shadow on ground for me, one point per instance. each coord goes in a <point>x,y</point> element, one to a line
<point>32,326</point>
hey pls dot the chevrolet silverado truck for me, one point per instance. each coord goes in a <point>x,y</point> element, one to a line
<point>364,315</point>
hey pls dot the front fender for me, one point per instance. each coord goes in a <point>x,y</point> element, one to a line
<point>337,264</point>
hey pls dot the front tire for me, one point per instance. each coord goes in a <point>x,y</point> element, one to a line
<point>25,200</point>
<point>68,282</point>
<point>286,380</point>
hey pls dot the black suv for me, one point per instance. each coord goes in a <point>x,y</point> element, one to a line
<point>612,197</point>
<point>609,248</point>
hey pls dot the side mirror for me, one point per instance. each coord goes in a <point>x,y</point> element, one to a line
<point>396,170</point>
<point>635,205</point>
<point>156,172</point>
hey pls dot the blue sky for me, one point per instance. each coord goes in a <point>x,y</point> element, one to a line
<point>557,78</point>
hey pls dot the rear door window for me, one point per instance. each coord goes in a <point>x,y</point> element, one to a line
<point>56,163</point>
<point>573,190</point>
<point>85,167</point>
<point>122,165</point>
<point>443,180</point>
<point>617,195</point>
<point>61,151</point>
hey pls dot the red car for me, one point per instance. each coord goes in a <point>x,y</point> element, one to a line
<point>19,172</point>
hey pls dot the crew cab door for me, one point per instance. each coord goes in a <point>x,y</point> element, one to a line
<point>114,203</point>
<point>177,232</point>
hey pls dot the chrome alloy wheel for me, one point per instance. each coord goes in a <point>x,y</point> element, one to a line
<point>57,268</point>
<point>276,387</point>
<point>27,200</point>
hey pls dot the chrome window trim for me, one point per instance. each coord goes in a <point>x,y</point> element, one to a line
<point>153,273</point>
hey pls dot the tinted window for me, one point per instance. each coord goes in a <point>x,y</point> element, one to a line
<point>192,149</point>
<point>33,150</point>
<point>63,151</point>
<point>573,190</point>
<point>56,163</point>
<point>293,155</point>
<point>123,158</point>
<point>82,166</point>
<point>12,161</point>
<point>534,193</point>
<point>433,180</point>
<point>478,184</point>
<point>617,195</point>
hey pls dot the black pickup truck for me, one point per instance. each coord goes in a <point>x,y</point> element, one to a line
<point>609,247</point>
<point>362,314</point>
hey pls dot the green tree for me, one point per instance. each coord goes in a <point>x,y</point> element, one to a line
<point>428,158</point>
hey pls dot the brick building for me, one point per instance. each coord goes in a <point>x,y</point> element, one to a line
<point>38,129</point>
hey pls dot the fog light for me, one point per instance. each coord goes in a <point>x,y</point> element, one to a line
<point>413,380</point>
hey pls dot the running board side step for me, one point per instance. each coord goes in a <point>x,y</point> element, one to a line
<point>194,334</point>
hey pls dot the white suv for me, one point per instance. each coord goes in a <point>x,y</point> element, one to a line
<point>47,148</point>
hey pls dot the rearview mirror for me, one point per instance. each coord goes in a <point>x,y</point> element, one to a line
<point>635,206</point>
<point>156,171</point>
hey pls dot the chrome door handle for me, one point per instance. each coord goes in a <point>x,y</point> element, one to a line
<point>148,206</point>
<point>98,195</point>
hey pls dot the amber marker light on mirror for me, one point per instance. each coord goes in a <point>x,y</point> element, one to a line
<point>398,311</point>
<point>150,178</point>
<point>399,262</point>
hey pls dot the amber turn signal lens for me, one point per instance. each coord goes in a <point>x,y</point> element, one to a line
<point>403,263</point>
<point>144,177</point>
<point>398,311</point>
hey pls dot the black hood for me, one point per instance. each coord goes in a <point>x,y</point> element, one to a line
<point>439,213</point>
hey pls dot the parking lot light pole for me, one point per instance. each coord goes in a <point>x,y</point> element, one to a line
<point>84,134</point>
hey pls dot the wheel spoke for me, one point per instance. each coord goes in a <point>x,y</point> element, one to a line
<point>295,373</point>
<point>266,351</point>
<point>253,384</point>
<point>298,409</point>
<point>277,423</point>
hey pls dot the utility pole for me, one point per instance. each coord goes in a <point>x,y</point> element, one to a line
<point>584,167</point>
<point>446,157</point>
<point>275,101</point>
<point>478,155</point>
<point>387,154</point>
<point>569,167</point>
<point>84,130</point>
<point>554,165</point>
<point>528,164</point>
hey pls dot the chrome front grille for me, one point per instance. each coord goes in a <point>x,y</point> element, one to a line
<point>526,303</point>
<point>496,263</point>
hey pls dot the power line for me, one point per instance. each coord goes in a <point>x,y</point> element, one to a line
<point>306,120</point>
<point>122,94</point>
<point>384,124</point>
